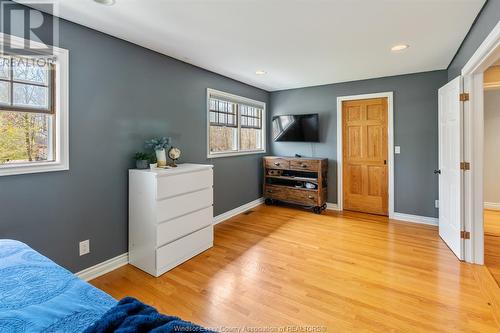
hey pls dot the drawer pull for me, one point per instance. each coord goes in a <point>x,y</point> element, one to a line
<point>304,165</point>
<point>269,191</point>
<point>277,163</point>
<point>310,197</point>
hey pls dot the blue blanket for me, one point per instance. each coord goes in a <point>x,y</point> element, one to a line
<point>37,295</point>
<point>131,315</point>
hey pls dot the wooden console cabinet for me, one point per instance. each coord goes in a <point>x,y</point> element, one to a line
<point>301,181</point>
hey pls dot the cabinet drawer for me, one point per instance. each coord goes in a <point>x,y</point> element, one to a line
<point>184,225</point>
<point>304,165</point>
<point>274,192</point>
<point>303,196</point>
<point>175,253</point>
<point>277,163</point>
<point>291,194</point>
<point>168,209</point>
<point>169,186</point>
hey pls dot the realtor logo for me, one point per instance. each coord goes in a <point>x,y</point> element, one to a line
<point>31,21</point>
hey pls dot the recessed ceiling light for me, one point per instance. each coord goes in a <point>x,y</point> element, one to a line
<point>260,72</point>
<point>399,47</point>
<point>106,2</point>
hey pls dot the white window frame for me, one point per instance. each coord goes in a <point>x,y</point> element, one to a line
<point>243,100</point>
<point>61,117</point>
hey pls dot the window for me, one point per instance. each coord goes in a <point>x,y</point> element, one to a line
<point>33,112</point>
<point>236,125</point>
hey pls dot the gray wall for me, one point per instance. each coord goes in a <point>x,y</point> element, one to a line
<point>415,130</point>
<point>491,144</point>
<point>485,22</point>
<point>120,95</point>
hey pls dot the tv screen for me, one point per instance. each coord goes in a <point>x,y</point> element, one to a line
<point>296,127</point>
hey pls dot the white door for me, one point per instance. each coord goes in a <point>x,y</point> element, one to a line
<point>450,155</point>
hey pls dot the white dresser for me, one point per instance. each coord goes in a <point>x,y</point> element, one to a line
<point>170,216</point>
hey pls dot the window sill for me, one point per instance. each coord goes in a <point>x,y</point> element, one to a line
<point>237,153</point>
<point>21,169</point>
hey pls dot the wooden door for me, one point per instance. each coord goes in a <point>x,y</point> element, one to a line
<point>364,162</point>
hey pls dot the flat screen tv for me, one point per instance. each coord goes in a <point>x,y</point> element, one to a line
<point>296,127</point>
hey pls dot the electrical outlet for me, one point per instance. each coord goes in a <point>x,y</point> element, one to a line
<point>436,203</point>
<point>84,247</point>
<point>397,149</point>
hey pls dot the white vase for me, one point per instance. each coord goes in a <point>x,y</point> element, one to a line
<point>161,157</point>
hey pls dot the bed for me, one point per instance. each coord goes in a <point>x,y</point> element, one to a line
<point>37,295</point>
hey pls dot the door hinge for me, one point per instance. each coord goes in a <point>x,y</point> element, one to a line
<point>464,234</point>
<point>464,97</point>
<point>464,166</point>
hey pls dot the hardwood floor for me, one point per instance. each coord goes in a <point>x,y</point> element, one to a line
<point>492,222</point>
<point>492,242</point>
<point>346,272</point>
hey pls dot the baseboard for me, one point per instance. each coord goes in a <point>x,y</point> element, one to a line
<point>332,206</point>
<point>398,216</point>
<point>492,205</point>
<point>121,260</point>
<point>103,268</point>
<point>238,210</point>
<point>415,218</point>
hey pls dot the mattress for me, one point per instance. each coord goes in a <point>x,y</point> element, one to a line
<point>37,295</point>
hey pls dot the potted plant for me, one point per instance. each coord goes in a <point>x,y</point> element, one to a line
<point>152,161</point>
<point>141,160</point>
<point>159,145</point>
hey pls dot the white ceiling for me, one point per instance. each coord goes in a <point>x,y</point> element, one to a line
<point>298,43</point>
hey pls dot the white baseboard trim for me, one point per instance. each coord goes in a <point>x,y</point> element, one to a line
<point>121,260</point>
<point>238,210</point>
<point>398,216</point>
<point>492,205</point>
<point>103,268</point>
<point>415,218</point>
<point>332,206</point>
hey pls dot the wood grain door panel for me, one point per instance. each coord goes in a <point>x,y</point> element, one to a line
<point>365,153</point>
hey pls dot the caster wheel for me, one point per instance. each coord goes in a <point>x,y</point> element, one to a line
<point>317,210</point>
<point>268,201</point>
<point>323,207</point>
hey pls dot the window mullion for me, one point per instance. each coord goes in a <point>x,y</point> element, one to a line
<point>238,134</point>
<point>11,83</point>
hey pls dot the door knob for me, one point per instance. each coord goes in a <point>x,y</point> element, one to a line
<point>437,172</point>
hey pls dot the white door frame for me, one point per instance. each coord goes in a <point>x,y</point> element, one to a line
<point>390,142</point>
<point>487,53</point>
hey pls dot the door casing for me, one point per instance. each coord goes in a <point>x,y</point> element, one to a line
<point>390,143</point>
<point>473,137</point>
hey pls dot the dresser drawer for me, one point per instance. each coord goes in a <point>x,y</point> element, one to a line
<point>184,225</point>
<point>169,186</point>
<point>291,194</point>
<point>304,197</point>
<point>168,209</point>
<point>274,192</point>
<point>304,165</point>
<point>277,163</point>
<point>175,253</point>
